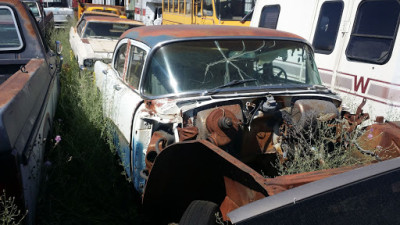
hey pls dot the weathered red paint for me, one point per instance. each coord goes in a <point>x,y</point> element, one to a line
<point>17,81</point>
<point>111,20</point>
<point>221,136</point>
<point>383,139</point>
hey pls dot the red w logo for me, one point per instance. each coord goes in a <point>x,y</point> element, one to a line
<point>359,83</point>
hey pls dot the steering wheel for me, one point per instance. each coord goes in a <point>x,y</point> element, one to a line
<point>278,71</point>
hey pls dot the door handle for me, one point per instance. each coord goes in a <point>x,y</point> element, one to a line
<point>117,87</point>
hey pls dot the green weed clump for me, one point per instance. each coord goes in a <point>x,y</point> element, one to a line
<point>83,182</point>
<point>9,212</point>
<point>321,145</point>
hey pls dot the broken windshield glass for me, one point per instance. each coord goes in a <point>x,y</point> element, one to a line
<point>205,65</point>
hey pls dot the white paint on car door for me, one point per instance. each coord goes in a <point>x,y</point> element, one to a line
<point>125,94</point>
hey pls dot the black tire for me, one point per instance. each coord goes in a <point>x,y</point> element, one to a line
<point>200,213</point>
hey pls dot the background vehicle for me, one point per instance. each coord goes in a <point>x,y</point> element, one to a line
<point>117,10</point>
<point>202,112</point>
<point>61,9</point>
<point>45,20</point>
<point>212,12</point>
<point>94,38</point>
<point>368,195</point>
<point>355,44</point>
<point>29,87</point>
<point>148,11</point>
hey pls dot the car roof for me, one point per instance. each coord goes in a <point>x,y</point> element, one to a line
<point>309,190</point>
<point>111,19</point>
<point>153,35</point>
<point>95,13</point>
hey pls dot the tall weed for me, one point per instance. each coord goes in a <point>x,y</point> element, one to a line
<point>83,184</point>
<point>320,145</point>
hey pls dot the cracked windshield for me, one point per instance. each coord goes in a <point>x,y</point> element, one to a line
<point>231,65</point>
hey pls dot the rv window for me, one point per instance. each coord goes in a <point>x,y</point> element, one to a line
<point>374,31</point>
<point>327,27</point>
<point>269,16</point>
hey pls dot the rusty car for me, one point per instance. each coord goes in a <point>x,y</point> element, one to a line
<point>29,89</point>
<point>94,38</point>
<point>200,113</point>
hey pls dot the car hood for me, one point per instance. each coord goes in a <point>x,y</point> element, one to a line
<point>102,45</point>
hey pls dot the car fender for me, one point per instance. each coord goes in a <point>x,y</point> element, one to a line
<point>197,170</point>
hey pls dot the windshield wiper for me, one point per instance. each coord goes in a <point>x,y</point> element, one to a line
<point>229,84</point>
<point>247,15</point>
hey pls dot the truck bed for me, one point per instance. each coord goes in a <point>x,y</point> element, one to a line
<point>8,70</point>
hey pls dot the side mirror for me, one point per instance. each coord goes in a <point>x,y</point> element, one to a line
<point>58,47</point>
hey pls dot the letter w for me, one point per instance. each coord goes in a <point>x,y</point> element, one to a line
<point>359,83</point>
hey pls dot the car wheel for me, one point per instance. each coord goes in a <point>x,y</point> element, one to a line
<point>200,213</point>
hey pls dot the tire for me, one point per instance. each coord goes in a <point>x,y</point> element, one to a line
<point>200,213</point>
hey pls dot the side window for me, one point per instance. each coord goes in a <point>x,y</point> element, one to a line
<point>135,66</point>
<point>170,5</point>
<point>175,5</point>
<point>81,25</point>
<point>165,5</point>
<point>181,6</point>
<point>120,57</point>
<point>188,7</point>
<point>207,8</point>
<point>327,27</point>
<point>374,31</point>
<point>269,16</point>
<point>9,32</point>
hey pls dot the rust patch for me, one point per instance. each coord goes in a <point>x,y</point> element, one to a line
<point>356,119</point>
<point>283,183</point>
<point>187,133</point>
<point>382,139</point>
<point>237,195</point>
<point>17,81</point>
<point>190,31</point>
<point>223,126</point>
<point>112,20</point>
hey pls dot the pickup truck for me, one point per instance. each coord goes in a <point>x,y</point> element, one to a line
<point>45,20</point>
<point>29,88</point>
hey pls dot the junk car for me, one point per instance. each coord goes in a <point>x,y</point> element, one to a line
<point>199,114</point>
<point>94,38</point>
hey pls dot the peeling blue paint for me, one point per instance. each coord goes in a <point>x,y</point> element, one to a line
<point>138,165</point>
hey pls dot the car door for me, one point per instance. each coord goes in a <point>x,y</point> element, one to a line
<point>125,96</point>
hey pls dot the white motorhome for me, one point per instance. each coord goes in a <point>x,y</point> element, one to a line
<point>355,45</point>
